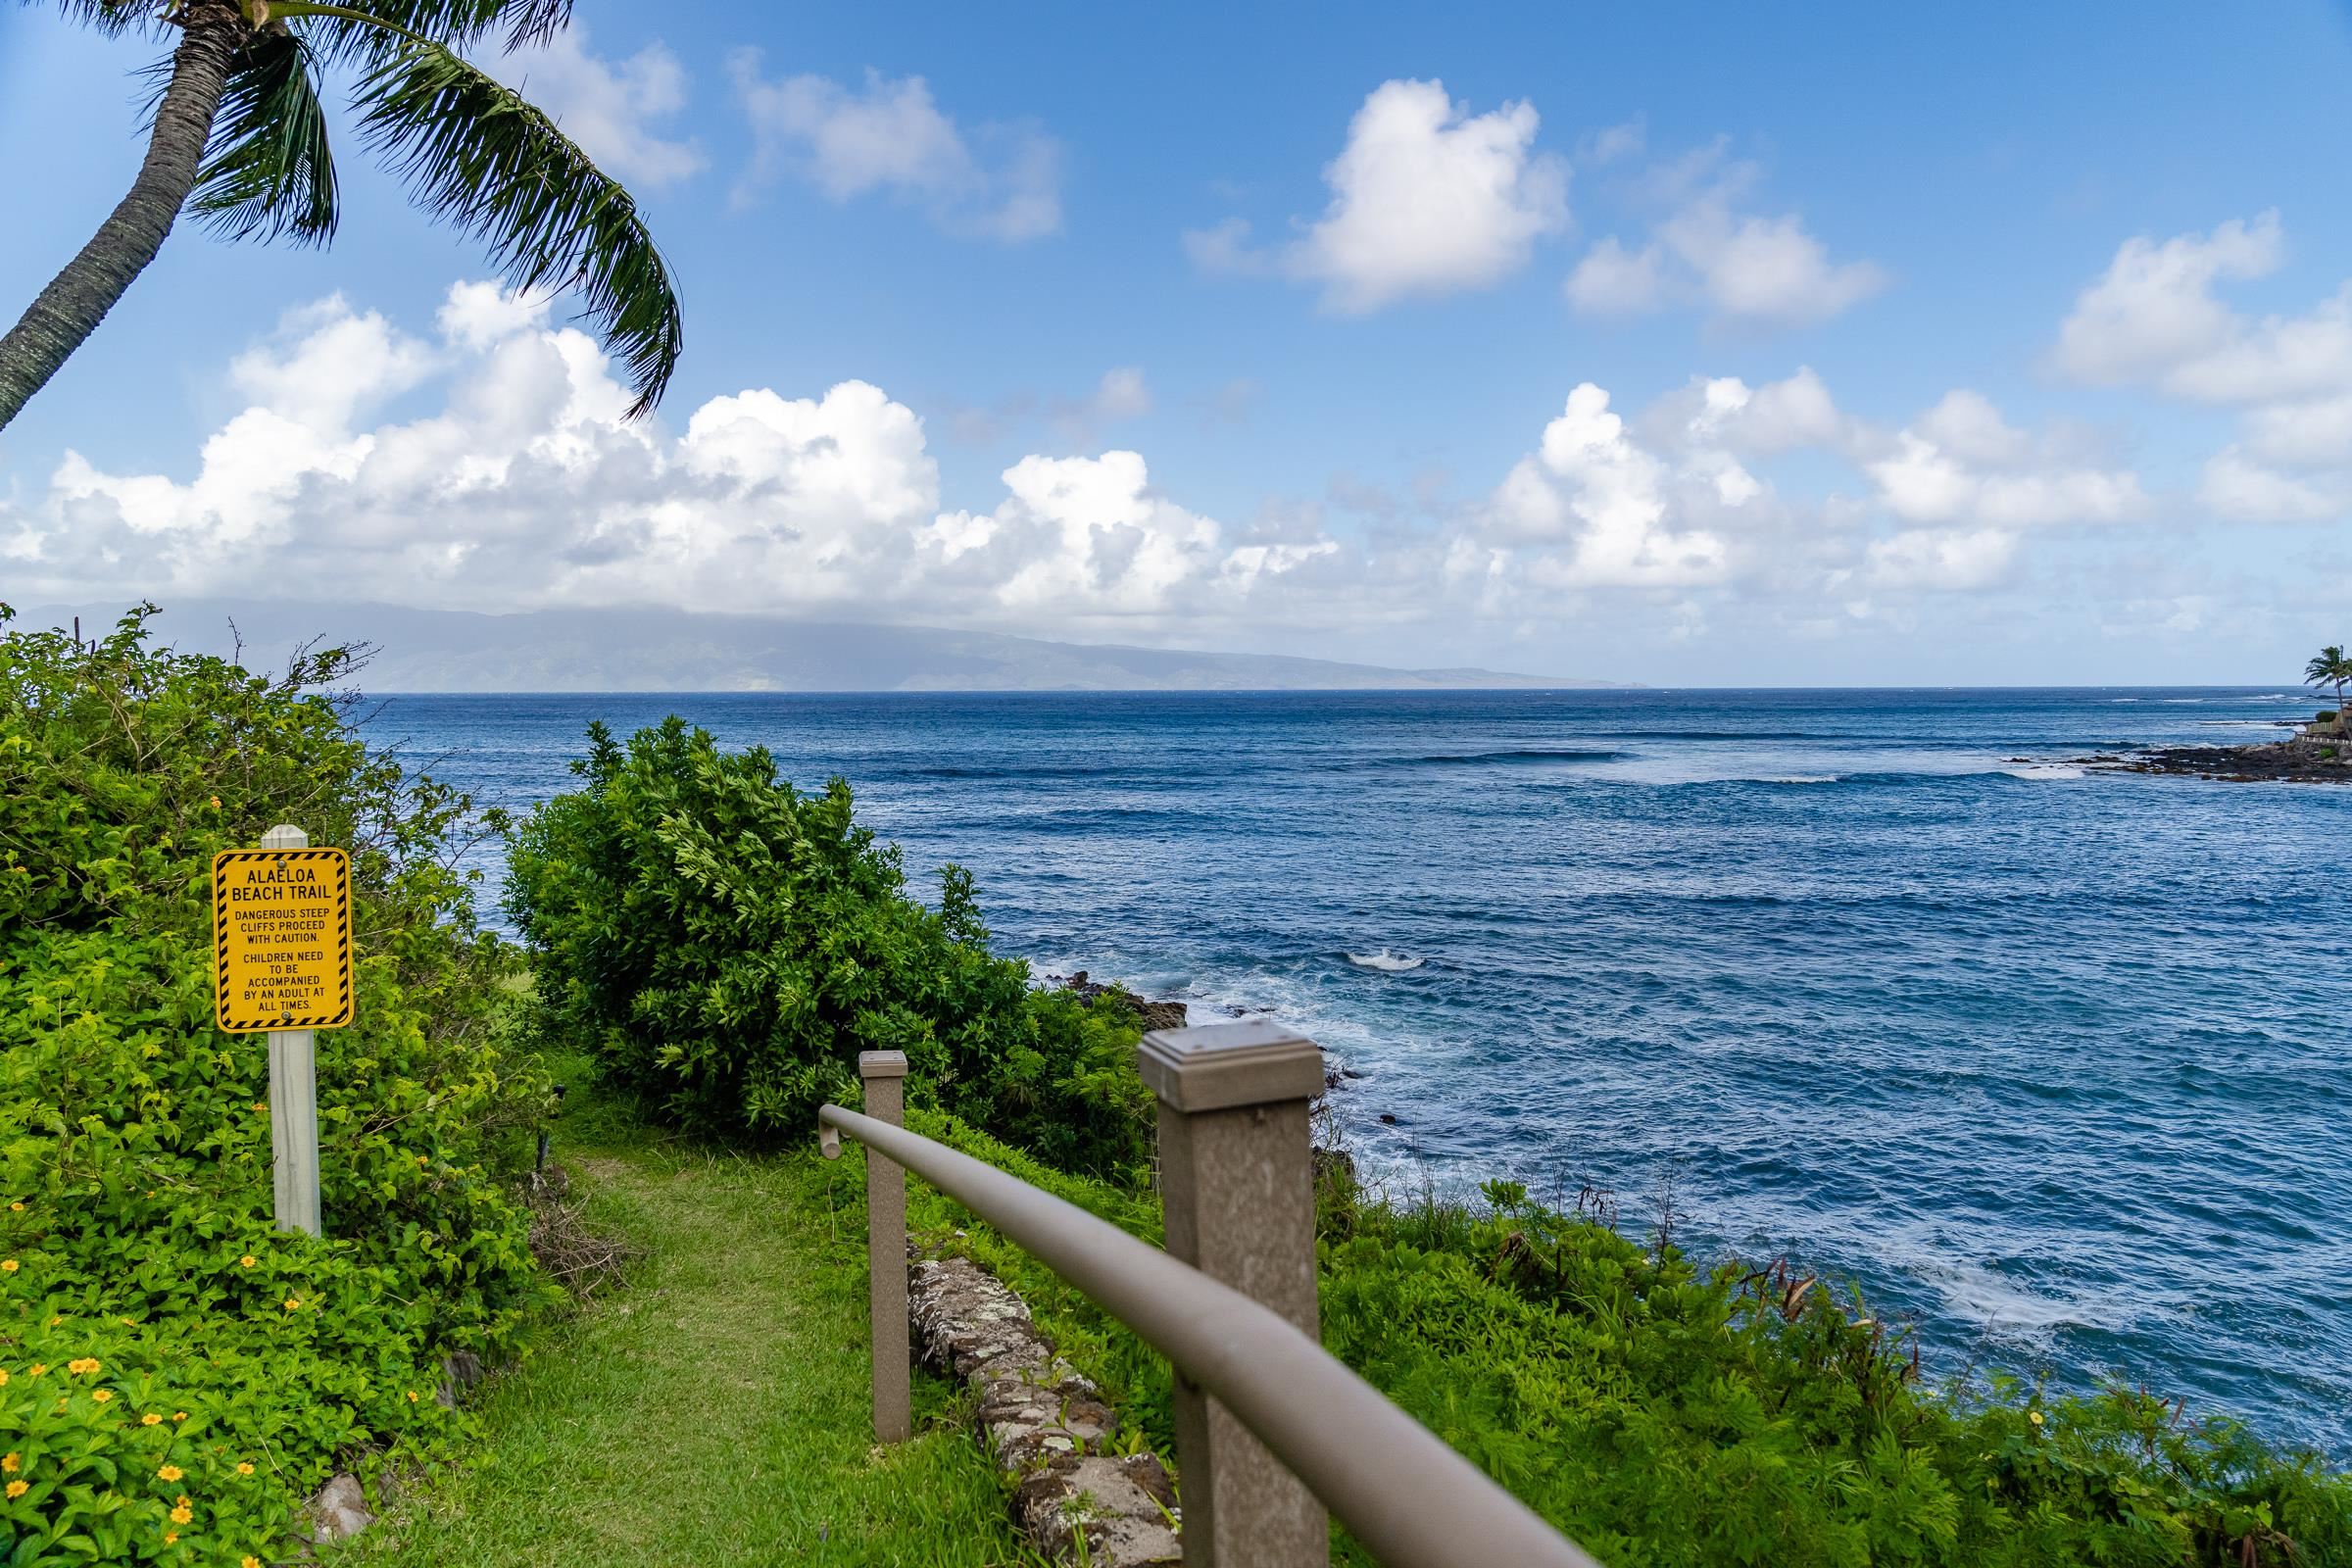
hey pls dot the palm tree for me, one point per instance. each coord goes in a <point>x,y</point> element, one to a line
<point>2333,668</point>
<point>239,136</point>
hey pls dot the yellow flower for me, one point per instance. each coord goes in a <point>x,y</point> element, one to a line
<point>419,1163</point>
<point>261,1104</point>
<point>244,1467</point>
<point>170,1472</point>
<point>169,1536</point>
<point>15,1208</point>
<point>8,1265</point>
<point>55,1321</point>
<point>246,1261</point>
<point>411,1395</point>
<point>87,1363</point>
<point>152,1418</point>
<point>9,1463</point>
<point>3,1377</point>
<point>250,1562</point>
<point>215,803</point>
<point>2033,1416</point>
<point>39,1367</point>
<point>131,1322</point>
<point>182,1499</point>
<point>17,1489</point>
<point>180,1415</point>
<point>183,1514</point>
<point>102,1395</point>
<point>293,1302</point>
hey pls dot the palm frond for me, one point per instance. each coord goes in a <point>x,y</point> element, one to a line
<point>460,24</point>
<point>476,154</point>
<point>269,170</point>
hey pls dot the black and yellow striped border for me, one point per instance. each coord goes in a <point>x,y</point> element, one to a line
<point>223,863</point>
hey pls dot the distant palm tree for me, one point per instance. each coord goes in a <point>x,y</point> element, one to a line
<point>2333,668</point>
<point>239,137</point>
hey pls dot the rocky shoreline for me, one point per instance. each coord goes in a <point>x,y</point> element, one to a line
<point>1176,1014</point>
<point>2312,756</point>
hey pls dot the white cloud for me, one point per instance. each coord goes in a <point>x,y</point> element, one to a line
<point>891,136</point>
<point>606,107</point>
<point>2244,490</point>
<point>526,487</point>
<point>2153,318</point>
<point>1426,198</point>
<point>1743,267</point>
<point>2153,310</point>
<point>489,465</point>
<point>1591,487</point>
<point>1961,463</point>
<point>1612,280</point>
<point>1784,415</point>
<point>1944,559</point>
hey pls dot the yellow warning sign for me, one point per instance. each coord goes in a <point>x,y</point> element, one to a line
<point>281,939</point>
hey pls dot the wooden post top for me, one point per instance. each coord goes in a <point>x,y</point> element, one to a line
<point>1219,1066</point>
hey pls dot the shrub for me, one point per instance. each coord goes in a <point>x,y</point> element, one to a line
<point>726,944</point>
<point>1662,1414</point>
<point>173,1372</point>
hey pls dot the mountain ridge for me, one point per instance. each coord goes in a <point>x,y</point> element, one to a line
<point>656,650</point>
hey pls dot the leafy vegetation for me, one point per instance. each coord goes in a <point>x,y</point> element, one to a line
<point>1662,1414</point>
<point>726,944</point>
<point>2332,668</point>
<point>173,1372</point>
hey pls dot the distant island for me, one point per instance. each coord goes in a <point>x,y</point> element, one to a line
<point>683,651</point>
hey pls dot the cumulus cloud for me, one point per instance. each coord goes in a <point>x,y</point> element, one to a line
<point>998,181</point>
<point>1706,251</point>
<point>1591,487</point>
<point>1963,463</point>
<point>526,487</point>
<point>609,108</point>
<point>486,464</point>
<point>1426,198</point>
<point>2155,319</point>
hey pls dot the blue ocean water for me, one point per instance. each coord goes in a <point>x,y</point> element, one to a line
<point>2053,1063</point>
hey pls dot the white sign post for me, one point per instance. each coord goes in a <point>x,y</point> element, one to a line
<point>293,1101</point>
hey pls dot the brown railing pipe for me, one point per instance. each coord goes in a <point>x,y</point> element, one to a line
<point>1414,1501</point>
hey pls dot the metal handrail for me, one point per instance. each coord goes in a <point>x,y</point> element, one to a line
<point>1407,1495</point>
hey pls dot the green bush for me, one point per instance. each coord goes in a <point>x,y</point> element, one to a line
<point>726,944</point>
<point>1662,1414</point>
<point>173,1372</point>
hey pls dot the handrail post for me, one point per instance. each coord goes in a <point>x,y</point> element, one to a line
<point>884,1073</point>
<point>1237,1185</point>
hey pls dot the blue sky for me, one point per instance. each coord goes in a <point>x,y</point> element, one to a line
<point>1375,332</point>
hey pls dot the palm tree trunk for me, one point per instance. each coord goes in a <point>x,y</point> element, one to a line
<point>77,299</point>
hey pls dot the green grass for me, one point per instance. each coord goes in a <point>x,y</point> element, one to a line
<point>715,1409</point>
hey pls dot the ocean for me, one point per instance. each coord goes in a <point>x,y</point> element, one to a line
<point>2052,1064</point>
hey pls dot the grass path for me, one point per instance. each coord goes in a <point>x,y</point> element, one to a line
<point>712,1412</point>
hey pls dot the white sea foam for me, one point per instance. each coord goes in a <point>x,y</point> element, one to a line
<point>1803,778</point>
<point>2044,770</point>
<point>1385,961</point>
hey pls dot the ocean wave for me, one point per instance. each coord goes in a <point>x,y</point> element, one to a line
<point>1800,778</point>
<point>1476,758</point>
<point>1983,1296</point>
<point>2040,770</point>
<point>1385,961</point>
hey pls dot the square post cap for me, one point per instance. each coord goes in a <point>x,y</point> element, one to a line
<point>1219,1066</point>
<point>881,1065</point>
